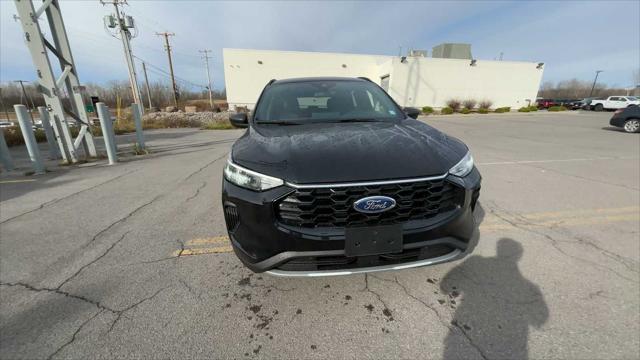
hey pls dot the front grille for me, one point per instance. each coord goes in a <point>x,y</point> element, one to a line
<point>333,207</point>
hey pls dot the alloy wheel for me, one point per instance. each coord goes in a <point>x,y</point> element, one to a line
<point>632,126</point>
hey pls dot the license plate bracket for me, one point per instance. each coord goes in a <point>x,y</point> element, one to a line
<point>373,240</point>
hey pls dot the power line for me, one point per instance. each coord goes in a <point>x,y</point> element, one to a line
<point>168,74</point>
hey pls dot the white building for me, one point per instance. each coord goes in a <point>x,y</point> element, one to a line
<point>411,81</point>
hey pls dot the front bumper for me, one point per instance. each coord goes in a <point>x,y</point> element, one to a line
<point>264,243</point>
<point>617,121</point>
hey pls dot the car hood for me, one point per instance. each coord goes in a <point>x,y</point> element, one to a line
<point>345,152</point>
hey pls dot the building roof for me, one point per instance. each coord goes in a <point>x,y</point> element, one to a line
<point>320,78</point>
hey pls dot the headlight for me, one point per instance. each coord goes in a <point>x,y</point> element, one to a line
<point>463,167</point>
<point>249,179</point>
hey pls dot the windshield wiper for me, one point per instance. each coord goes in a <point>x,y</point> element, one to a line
<point>277,123</point>
<point>357,120</point>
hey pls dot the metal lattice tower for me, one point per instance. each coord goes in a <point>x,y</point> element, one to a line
<point>54,89</point>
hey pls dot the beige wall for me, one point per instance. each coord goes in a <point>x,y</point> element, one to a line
<point>418,82</point>
<point>428,81</point>
<point>245,78</point>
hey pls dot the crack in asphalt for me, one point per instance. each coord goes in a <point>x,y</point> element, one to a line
<point>182,248</point>
<point>180,251</point>
<point>132,306</point>
<point>94,260</point>
<point>442,321</point>
<point>377,295</point>
<point>189,288</point>
<point>204,183</point>
<point>75,334</point>
<point>95,303</point>
<point>204,167</point>
<point>123,219</point>
<point>554,241</point>
<point>54,201</point>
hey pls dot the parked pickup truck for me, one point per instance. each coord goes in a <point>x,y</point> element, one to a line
<point>614,103</point>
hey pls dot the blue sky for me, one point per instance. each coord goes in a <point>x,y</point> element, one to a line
<point>573,39</point>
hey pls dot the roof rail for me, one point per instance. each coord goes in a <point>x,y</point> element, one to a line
<point>364,78</point>
<point>271,82</point>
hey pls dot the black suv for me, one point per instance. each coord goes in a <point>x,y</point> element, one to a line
<point>627,118</point>
<point>332,177</point>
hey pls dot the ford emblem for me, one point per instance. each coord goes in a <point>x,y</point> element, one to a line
<point>374,204</point>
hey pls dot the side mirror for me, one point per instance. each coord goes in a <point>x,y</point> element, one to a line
<point>239,120</point>
<point>411,112</point>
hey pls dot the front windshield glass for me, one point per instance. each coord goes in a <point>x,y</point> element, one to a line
<point>325,101</point>
<point>632,98</point>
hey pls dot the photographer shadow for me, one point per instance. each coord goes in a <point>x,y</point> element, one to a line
<point>495,305</point>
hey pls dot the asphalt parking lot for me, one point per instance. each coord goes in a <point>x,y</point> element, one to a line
<point>132,260</point>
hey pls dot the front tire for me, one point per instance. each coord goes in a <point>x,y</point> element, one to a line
<point>632,125</point>
<point>599,107</point>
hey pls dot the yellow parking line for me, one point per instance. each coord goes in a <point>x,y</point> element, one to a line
<point>211,240</point>
<point>202,251</point>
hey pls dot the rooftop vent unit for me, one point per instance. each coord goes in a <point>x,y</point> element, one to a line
<point>452,51</point>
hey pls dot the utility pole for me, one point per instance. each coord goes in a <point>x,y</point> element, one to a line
<point>27,98</point>
<point>594,82</point>
<point>146,82</point>
<point>6,113</point>
<point>173,79</point>
<point>206,60</point>
<point>123,23</point>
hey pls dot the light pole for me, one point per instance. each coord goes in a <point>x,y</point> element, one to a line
<point>594,82</point>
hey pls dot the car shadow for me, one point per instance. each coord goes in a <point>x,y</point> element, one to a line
<point>495,305</point>
<point>613,128</point>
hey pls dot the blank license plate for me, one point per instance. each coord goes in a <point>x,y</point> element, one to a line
<point>373,240</point>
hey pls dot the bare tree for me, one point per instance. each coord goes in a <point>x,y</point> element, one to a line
<point>576,89</point>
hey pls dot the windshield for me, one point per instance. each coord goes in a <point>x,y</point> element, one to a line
<point>632,98</point>
<point>325,101</point>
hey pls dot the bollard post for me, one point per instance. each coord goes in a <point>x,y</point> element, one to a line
<point>5,156</point>
<point>107,132</point>
<point>54,152</point>
<point>136,111</point>
<point>29,139</point>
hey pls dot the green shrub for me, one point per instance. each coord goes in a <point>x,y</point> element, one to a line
<point>465,111</point>
<point>533,108</point>
<point>454,105</point>
<point>446,111</point>
<point>557,108</point>
<point>427,110</point>
<point>469,104</point>
<point>13,136</point>
<point>524,109</point>
<point>485,104</point>
<point>483,111</point>
<point>503,109</point>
